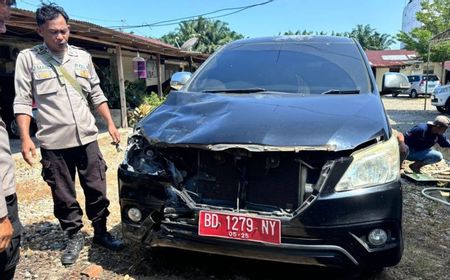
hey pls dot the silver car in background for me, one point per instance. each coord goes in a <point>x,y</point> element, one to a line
<point>419,85</point>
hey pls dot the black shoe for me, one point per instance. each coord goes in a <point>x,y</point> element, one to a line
<point>74,246</point>
<point>416,166</point>
<point>107,241</point>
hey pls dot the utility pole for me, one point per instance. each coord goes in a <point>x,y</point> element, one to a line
<point>122,23</point>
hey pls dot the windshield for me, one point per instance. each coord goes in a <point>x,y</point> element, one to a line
<point>301,67</point>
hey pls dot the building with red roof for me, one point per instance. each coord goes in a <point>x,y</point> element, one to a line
<point>403,61</point>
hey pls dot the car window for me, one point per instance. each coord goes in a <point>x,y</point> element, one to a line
<point>293,67</point>
<point>431,78</point>
<point>413,79</point>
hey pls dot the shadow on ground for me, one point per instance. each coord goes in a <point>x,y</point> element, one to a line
<point>167,263</point>
<point>403,120</point>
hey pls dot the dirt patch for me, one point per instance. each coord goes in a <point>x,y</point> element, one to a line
<point>426,231</point>
<point>426,224</point>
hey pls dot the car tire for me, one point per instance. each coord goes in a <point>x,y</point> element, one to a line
<point>413,94</point>
<point>14,129</point>
<point>395,94</point>
<point>444,109</point>
<point>441,109</point>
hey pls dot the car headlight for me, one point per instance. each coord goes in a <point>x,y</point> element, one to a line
<point>375,165</point>
<point>140,157</point>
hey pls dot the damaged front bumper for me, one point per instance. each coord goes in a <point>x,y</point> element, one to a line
<point>324,218</point>
<point>331,231</point>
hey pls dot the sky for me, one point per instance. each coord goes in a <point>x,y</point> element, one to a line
<point>273,18</point>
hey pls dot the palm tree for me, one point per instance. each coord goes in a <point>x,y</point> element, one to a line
<point>370,39</point>
<point>367,36</point>
<point>211,34</point>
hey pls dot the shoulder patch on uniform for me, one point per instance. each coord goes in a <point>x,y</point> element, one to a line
<point>79,48</point>
<point>75,51</point>
<point>76,47</point>
<point>39,49</point>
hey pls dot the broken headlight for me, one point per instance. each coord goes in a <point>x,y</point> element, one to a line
<point>142,158</point>
<point>372,166</point>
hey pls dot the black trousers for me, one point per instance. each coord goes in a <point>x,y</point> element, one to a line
<point>10,257</point>
<point>58,170</point>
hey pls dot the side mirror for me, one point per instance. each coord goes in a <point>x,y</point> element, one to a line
<point>394,83</point>
<point>179,79</point>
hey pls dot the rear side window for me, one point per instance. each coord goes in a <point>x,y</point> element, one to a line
<point>413,79</point>
<point>431,78</point>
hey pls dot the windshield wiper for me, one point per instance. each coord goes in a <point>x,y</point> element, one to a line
<point>240,90</point>
<point>337,91</point>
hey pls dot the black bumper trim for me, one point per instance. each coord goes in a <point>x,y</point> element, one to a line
<point>318,255</point>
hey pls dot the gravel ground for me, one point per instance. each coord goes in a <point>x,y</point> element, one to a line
<point>426,230</point>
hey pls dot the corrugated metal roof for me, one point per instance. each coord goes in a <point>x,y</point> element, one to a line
<point>390,58</point>
<point>23,21</point>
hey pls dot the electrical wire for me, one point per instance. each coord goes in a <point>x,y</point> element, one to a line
<point>193,18</point>
<point>28,3</point>
<point>170,21</point>
<point>204,14</point>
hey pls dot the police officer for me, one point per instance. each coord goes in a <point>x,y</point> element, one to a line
<point>61,80</point>
<point>10,227</point>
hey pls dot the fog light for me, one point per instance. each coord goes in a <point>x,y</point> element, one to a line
<point>377,237</point>
<point>134,214</point>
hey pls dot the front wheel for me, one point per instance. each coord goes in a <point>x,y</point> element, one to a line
<point>14,129</point>
<point>444,109</point>
<point>441,109</point>
<point>413,94</point>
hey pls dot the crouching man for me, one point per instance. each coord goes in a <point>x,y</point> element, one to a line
<point>420,140</point>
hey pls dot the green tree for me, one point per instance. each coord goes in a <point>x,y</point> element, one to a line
<point>367,36</point>
<point>435,18</point>
<point>370,39</point>
<point>211,34</point>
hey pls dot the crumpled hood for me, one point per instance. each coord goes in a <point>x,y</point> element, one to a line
<point>271,119</point>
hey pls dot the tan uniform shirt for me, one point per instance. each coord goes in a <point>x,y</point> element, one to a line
<point>63,117</point>
<point>7,184</point>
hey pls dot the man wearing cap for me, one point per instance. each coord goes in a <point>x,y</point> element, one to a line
<point>10,226</point>
<point>421,139</point>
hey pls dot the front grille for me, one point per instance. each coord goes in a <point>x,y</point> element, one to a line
<point>255,181</point>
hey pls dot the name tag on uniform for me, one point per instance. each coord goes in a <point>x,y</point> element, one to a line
<point>42,72</point>
<point>82,70</point>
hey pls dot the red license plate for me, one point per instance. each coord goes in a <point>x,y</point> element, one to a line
<point>241,227</point>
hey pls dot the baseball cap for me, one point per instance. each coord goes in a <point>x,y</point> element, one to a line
<point>441,121</point>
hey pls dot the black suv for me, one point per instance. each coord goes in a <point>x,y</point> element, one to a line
<point>277,149</point>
